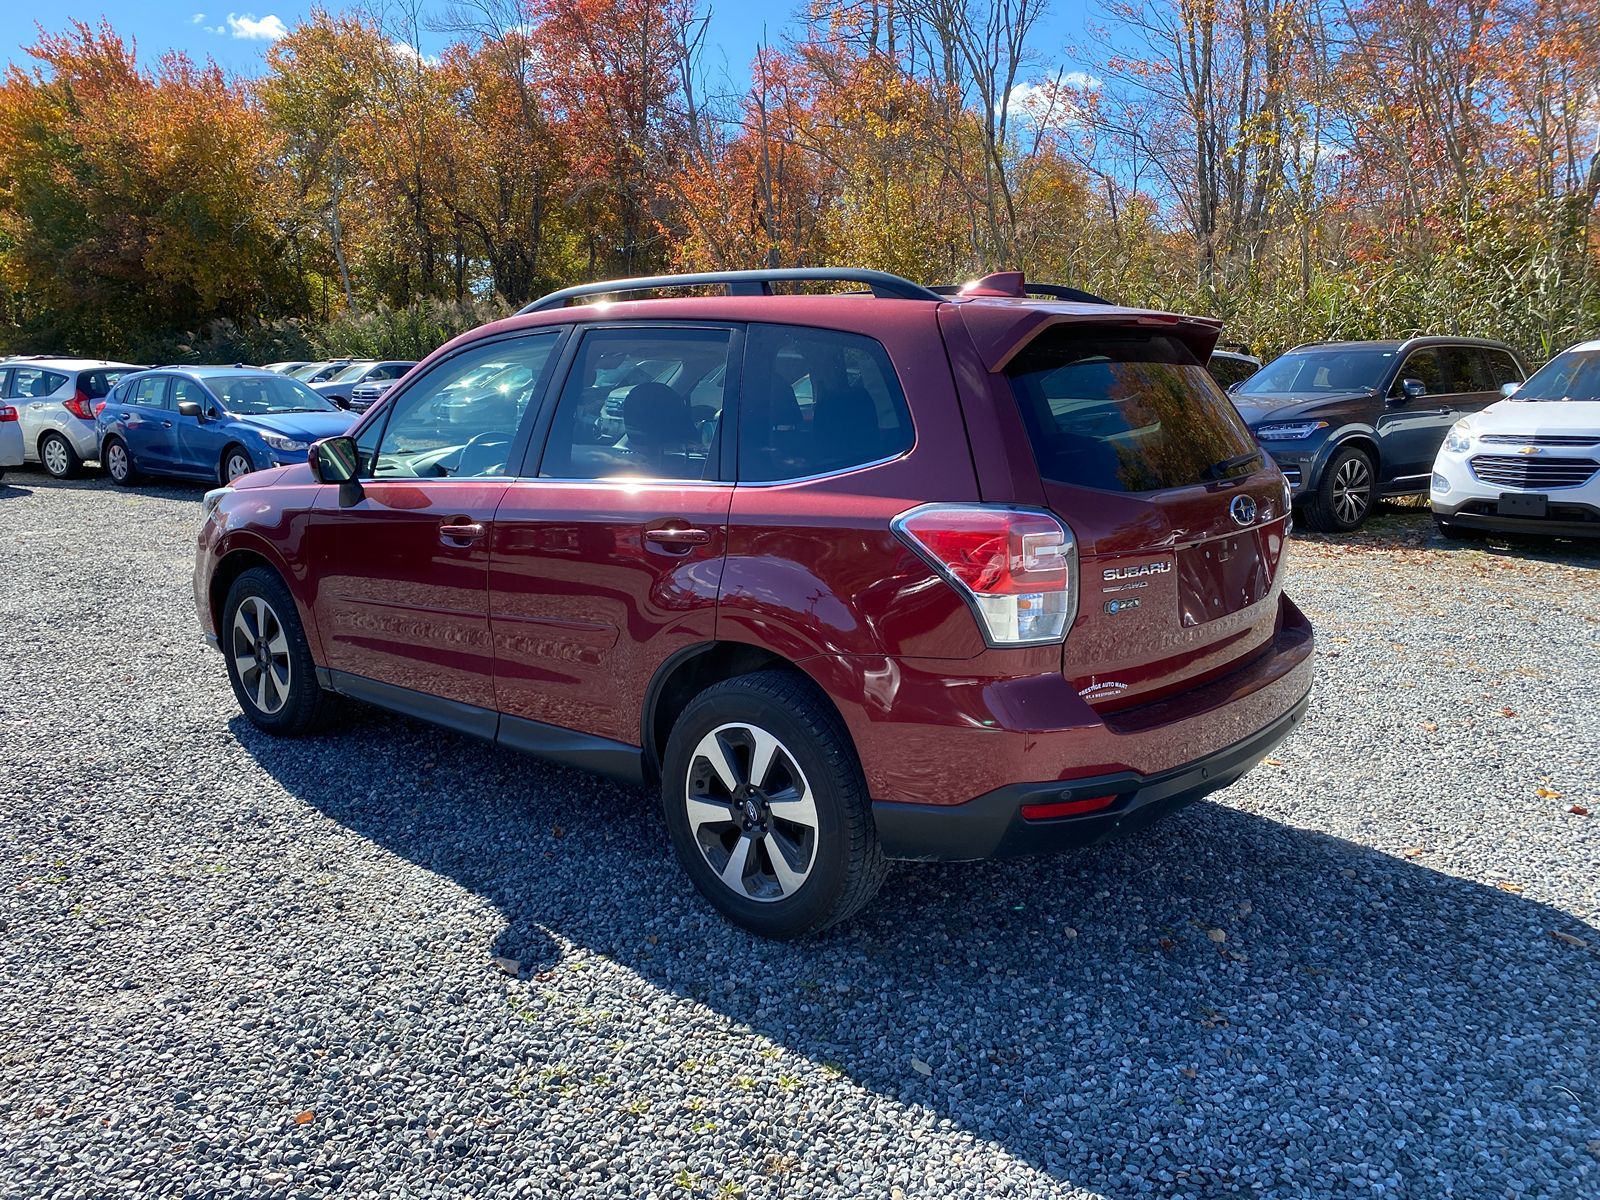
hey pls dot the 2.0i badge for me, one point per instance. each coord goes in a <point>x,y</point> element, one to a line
<point>1116,606</point>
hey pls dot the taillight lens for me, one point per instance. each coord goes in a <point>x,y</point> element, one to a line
<point>1017,568</point>
<point>7,413</point>
<point>99,407</point>
<point>80,406</point>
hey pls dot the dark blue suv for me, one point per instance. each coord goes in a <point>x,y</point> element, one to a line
<point>211,423</point>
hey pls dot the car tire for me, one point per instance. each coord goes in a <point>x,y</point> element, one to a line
<point>269,659</point>
<point>1460,533</point>
<point>58,458</point>
<point>787,854</point>
<point>229,465</point>
<point>1345,493</point>
<point>118,462</point>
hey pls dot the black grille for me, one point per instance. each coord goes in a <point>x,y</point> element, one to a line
<point>1534,471</point>
<point>1543,439</point>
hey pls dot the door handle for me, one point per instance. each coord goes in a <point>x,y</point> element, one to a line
<point>456,531</point>
<point>678,538</point>
<point>166,424</point>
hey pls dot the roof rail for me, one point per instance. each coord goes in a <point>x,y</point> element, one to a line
<point>1010,284</point>
<point>742,283</point>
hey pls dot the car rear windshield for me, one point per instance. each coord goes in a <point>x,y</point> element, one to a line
<point>1126,410</point>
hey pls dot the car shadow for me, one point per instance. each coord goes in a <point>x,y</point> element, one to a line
<point>1181,1012</point>
<point>92,479</point>
<point>1408,525</point>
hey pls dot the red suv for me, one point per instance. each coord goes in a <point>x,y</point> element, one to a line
<point>890,574</point>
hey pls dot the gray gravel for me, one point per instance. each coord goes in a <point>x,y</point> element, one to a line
<point>239,966</point>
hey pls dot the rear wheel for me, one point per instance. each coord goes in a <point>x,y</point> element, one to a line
<point>119,463</point>
<point>767,807</point>
<point>269,660</point>
<point>1343,496</point>
<point>58,457</point>
<point>235,462</point>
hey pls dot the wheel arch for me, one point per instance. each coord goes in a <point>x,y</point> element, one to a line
<point>239,554</point>
<point>688,672</point>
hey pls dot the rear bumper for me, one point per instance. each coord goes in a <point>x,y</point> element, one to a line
<point>992,826</point>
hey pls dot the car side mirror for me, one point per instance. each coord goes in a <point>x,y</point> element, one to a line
<point>190,408</point>
<point>1410,389</point>
<point>336,460</point>
<point>1234,386</point>
<point>1510,389</point>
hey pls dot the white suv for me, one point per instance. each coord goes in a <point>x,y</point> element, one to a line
<point>56,400</point>
<point>1531,462</point>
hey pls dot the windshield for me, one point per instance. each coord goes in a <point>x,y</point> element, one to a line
<point>264,394</point>
<point>1574,375</point>
<point>353,371</point>
<point>1321,369</point>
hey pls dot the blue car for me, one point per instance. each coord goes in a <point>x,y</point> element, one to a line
<point>211,423</point>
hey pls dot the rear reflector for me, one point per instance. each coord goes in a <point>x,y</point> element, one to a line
<point>7,413</point>
<point>1017,568</point>
<point>1066,808</point>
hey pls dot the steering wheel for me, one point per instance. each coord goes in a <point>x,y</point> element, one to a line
<point>491,446</point>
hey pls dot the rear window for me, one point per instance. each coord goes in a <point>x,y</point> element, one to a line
<point>1126,411</point>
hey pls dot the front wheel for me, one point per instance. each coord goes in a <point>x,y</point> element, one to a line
<point>269,660</point>
<point>119,463</point>
<point>58,456</point>
<point>1343,496</point>
<point>767,806</point>
<point>235,462</point>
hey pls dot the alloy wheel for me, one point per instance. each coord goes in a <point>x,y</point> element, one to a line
<point>751,812</point>
<point>117,461</point>
<point>57,458</point>
<point>261,654</point>
<point>1352,489</point>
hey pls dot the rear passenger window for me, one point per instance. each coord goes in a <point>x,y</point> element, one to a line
<point>1503,369</point>
<point>31,383</point>
<point>815,401</point>
<point>641,402</point>
<point>150,392</point>
<point>1464,372</point>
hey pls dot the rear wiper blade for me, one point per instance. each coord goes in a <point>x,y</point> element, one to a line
<point>1221,470</point>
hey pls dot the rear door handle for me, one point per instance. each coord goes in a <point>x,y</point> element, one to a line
<point>678,538</point>
<point>454,532</point>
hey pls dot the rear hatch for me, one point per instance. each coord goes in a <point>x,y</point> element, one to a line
<point>1180,519</point>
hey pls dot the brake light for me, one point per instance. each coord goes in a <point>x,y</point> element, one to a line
<point>7,413</point>
<point>80,406</point>
<point>99,407</point>
<point>1017,568</point>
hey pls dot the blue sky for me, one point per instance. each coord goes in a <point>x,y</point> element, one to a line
<point>237,36</point>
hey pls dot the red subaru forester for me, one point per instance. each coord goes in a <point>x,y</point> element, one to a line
<point>851,577</point>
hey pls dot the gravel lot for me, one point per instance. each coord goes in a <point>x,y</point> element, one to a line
<point>235,966</point>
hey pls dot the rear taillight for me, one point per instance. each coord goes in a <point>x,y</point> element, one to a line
<point>7,413</point>
<point>1017,568</point>
<point>99,406</point>
<point>80,406</point>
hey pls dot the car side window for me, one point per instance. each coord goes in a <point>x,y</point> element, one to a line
<point>187,389</point>
<point>150,392</point>
<point>1463,370</point>
<point>643,402</point>
<point>817,401</point>
<point>461,418</point>
<point>33,383</point>
<point>1502,369</point>
<point>1425,366</point>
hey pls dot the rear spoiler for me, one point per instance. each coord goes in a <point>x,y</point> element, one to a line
<point>1011,285</point>
<point>1000,331</point>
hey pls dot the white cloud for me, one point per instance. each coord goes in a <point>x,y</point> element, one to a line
<point>405,50</point>
<point>197,18</point>
<point>1053,103</point>
<point>269,28</point>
